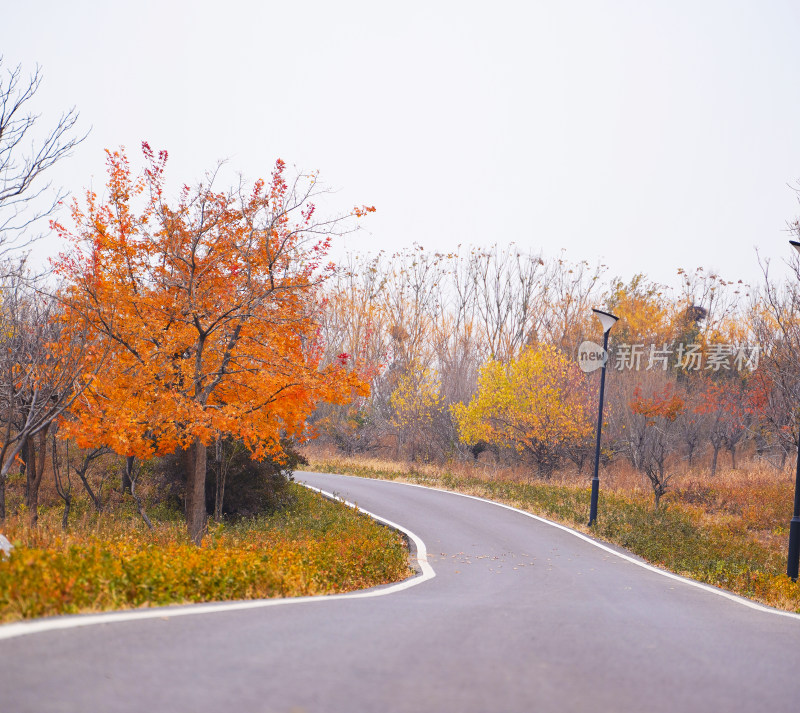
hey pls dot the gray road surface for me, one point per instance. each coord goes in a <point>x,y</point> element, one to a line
<point>521,616</point>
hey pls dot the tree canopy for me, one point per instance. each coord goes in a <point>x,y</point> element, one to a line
<point>535,404</point>
<point>205,308</point>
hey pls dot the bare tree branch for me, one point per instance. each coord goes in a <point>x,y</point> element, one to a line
<point>25,197</point>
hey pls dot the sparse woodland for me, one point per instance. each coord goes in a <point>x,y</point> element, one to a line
<point>472,356</point>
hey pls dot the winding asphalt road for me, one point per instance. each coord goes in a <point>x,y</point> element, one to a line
<point>521,615</point>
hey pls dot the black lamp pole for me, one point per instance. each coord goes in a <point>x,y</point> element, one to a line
<point>794,527</point>
<point>608,322</point>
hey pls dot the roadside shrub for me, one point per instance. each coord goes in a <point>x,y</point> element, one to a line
<point>249,486</point>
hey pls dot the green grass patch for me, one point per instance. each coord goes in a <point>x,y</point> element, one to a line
<point>310,546</point>
<point>676,537</point>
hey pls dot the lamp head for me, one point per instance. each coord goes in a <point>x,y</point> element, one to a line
<point>795,245</point>
<point>606,319</point>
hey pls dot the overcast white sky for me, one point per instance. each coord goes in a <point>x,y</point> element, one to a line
<point>651,135</point>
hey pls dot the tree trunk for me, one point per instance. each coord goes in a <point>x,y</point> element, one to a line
<point>23,466</point>
<point>65,516</point>
<point>33,488</point>
<point>88,488</point>
<point>63,485</point>
<point>714,461</point>
<point>125,483</point>
<point>196,492</point>
<point>35,471</point>
<point>139,505</point>
<point>30,472</point>
<point>187,463</point>
<point>131,478</point>
<point>219,498</point>
<point>2,499</point>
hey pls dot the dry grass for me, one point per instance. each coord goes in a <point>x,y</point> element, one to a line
<point>111,561</point>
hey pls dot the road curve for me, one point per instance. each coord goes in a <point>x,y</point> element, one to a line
<point>521,616</point>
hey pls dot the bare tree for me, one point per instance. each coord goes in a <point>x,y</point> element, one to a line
<point>26,153</point>
<point>226,451</point>
<point>571,292</point>
<point>133,469</point>
<point>411,304</point>
<point>353,326</point>
<point>651,433</point>
<point>716,436</point>
<point>82,471</point>
<point>774,317</point>
<point>61,476</point>
<point>711,302</point>
<point>693,427</point>
<point>651,442</point>
<point>511,298</point>
<point>41,374</point>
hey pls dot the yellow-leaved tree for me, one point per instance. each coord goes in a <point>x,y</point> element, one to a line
<point>417,404</point>
<point>537,405</point>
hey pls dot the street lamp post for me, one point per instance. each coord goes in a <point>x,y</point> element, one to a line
<point>607,320</point>
<point>794,527</point>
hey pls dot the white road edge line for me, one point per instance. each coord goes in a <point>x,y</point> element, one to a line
<point>644,565</point>
<point>23,628</point>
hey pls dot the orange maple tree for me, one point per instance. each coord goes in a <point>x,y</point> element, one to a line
<point>206,307</point>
